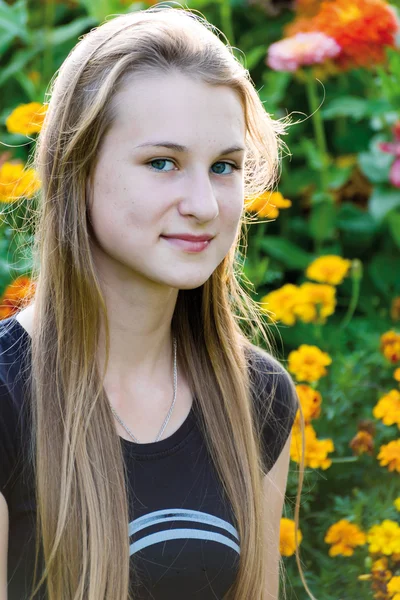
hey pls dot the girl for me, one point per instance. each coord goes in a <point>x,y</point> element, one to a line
<point>152,456</point>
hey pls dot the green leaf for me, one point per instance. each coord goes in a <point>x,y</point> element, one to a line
<point>19,61</point>
<point>59,35</point>
<point>357,226</point>
<point>346,106</point>
<point>13,20</point>
<point>382,200</point>
<point>375,164</point>
<point>291,255</point>
<point>393,220</point>
<point>322,221</point>
<point>383,271</point>
<point>254,55</point>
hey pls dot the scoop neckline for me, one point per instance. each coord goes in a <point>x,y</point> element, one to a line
<point>163,446</point>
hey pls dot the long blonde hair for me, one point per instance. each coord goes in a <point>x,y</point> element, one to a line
<point>75,447</point>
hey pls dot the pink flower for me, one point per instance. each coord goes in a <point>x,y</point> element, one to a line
<point>394,148</point>
<point>301,49</point>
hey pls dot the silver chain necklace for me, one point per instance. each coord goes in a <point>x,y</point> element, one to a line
<point>167,418</point>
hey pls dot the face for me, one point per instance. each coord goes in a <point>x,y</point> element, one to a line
<point>143,190</point>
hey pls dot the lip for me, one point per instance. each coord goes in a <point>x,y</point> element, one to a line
<point>187,245</point>
<point>190,238</point>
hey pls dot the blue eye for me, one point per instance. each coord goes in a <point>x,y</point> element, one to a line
<point>234,167</point>
<point>160,160</point>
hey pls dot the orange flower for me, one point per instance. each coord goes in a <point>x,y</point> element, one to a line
<point>287,544</point>
<point>362,442</point>
<point>26,118</point>
<point>20,290</point>
<point>316,451</point>
<point>310,401</point>
<point>362,28</point>
<point>388,408</point>
<point>390,345</point>
<point>344,537</point>
<point>396,374</point>
<point>389,456</point>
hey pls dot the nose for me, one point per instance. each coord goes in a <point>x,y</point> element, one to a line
<point>199,197</point>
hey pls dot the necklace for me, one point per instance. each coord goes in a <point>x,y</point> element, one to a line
<point>167,418</point>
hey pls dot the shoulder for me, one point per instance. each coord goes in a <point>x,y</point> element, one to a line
<point>275,401</point>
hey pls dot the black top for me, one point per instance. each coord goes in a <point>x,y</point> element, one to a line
<point>183,539</point>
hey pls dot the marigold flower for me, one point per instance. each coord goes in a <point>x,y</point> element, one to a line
<point>384,538</point>
<point>328,269</point>
<point>15,295</point>
<point>26,118</point>
<point>390,345</point>
<point>15,183</point>
<point>396,374</point>
<point>281,304</point>
<point>380,565</point>
<point>362,442</point>
<point>362,29</point>
<point>389,456</point>
<point>344,537</point>
<point>287,545</point>
<point>300,50</point>
<point>315,302</point>
<point>267,204</point>
<point>393,587</point>
<point>316,451</point>
<point>388,408</point>
<point>310,401</point>
<point>308,363</point>
<point>397,503</point>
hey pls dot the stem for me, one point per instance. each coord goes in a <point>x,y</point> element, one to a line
<point>226,20</point>
<point>318,125</point>
<point>355,292</point>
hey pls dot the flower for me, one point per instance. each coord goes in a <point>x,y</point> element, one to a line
<point>301,49</point>
<point>310,401</point>
<point>287,545</point>
<point>316,451</point>
<point>361,28</point>
<point>15,183</point>
<point>393,587</point>
<point>344,537</point>
<point>384,538</point>
<point>393,148</point>
<point>390,345</point>
<point>328,269</point>
<point>16,295</point>
<point>308,363</point>
<point>281,303</point>
<point>396,374</point>
<point>315,302</point>
<point>267,204</point>
<point>397,503</point>
<point>389,455</point>
<point>26,118</point>
<point>362,442</point>
<point>388,408</point>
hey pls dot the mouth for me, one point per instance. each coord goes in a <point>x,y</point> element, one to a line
<point>188,245</point>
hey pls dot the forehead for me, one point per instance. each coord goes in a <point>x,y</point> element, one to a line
<point>174,106</point>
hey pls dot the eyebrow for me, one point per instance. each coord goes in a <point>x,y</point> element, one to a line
<point>180,148</point>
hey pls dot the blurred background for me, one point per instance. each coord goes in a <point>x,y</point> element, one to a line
<point>323,256</point>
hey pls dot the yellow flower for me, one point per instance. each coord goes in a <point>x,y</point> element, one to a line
<point>316,451</point>
<point>396,374</point>
<point>390,345</point>
<point>344,537</point>
<point>388,408</point>
<point>267,204</point>
<point>308,363</point>
<point>315,302</point>
<point>26,118</point>
<point>389,455</point>
<point>281,303</point>
<point>16,183</point>
<point>393,587</point>
<point>328,269</point>
<point>384,538</point>
<point>287,545</point>
<point>397,503</point>
<point>310,401</point>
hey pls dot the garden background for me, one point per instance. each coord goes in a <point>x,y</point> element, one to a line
<point>324,248</point>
